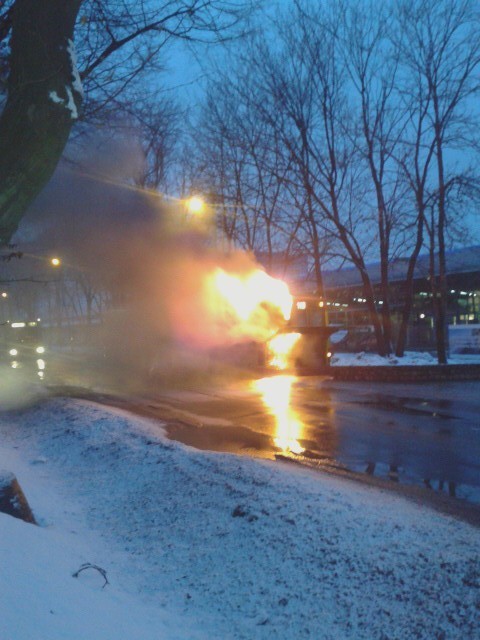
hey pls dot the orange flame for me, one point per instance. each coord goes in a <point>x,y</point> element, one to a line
<point>276,395</point>
<point>251,305</point>
<point>214,306</point>
<point>279,349</point>
<point>245,294</point>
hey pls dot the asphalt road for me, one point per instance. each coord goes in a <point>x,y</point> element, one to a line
<point>423,434</point>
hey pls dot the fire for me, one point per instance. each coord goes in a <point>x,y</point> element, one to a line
<point>246,304</point>
<point>214,305</point>
<point>279,349</point>
<point>276,394</point>
<point>245,294</point>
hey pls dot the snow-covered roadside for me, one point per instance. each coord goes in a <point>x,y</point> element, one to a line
<point>198,544</point>
<point>42,601</point>
<point>40,598</point>
<point>411,358</point>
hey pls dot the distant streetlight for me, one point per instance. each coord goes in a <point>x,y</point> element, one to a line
<point>55,262</point>
<point>4,294</point>
<point>195,204</point>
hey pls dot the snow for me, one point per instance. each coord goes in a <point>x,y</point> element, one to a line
<point>6,478</point>
<point>76,83</point>
<point>68,104</point>
<point>41,600</point>
<point>76,86</point>
<point>201,545</point>
<point>54,97</point>
<point>411,358</point>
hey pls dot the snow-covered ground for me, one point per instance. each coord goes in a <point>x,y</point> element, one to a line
<point>411,358</point>
<point>201,545</point>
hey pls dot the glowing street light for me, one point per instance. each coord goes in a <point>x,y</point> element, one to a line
<point>195,204</point>
<point>55,262</point>
<point>4,294</point>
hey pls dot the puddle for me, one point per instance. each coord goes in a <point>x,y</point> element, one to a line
<point>429,443</point>
<point>407,406</point>
<point>238,440</point>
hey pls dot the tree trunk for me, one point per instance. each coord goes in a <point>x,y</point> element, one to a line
<point>44,94</point>
<point>374,315</point>
<point>385,311</point>
<point>441,303</point>
<point>317,262</point>
<point>408,300</point>
<point>12,499</point>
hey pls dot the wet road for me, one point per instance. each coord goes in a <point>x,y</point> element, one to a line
<point>421,434</point>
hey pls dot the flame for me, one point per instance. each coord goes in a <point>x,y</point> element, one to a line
<point>280,348</point>
<point>276,394</point>
<point>245,294</point>
<point>211,306</point>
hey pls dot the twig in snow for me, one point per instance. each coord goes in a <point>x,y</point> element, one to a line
<point>89,565</point>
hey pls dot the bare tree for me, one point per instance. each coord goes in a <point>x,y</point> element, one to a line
<point>117,45</point>
<point>246,165</point>
<point>158,125</point>
<point>415,162</point>
<point>440,46</point>
<point>372,63</point>
<point>364,121</point>
<point>44,95</point>
<point>307,98</point>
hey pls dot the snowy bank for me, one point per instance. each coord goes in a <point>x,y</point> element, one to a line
<point>410,359</point>
<point>203,545</point>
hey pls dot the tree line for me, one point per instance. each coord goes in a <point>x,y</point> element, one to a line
<point>349,130</point>
<point>345,131</point>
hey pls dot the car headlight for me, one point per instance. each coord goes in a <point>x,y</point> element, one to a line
<point>40,349</point>
<point>13,352</point>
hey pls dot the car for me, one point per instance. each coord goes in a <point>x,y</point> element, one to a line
<point>22,347</point>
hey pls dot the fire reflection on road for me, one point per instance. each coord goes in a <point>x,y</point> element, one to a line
<point>276,393</point>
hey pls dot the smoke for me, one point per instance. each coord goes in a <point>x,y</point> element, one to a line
<point>156,267</point>
<point>17,389</point>
<point>198,310</point>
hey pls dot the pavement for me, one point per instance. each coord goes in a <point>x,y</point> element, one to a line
<point>422,441</point>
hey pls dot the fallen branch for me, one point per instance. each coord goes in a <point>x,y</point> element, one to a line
<point>89,565</point>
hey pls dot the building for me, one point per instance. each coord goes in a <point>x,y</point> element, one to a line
<point>346,303</point>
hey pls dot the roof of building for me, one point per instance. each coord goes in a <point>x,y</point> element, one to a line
<point>464,260</point>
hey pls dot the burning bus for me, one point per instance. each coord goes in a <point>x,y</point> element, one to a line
<point>261,316</point>
<point>302,343</point>
<point>258,315</point>
<point>22,347</point>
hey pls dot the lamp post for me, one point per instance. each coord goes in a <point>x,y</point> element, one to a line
<point>201,215</point>
<point>195,205</point>
<point>205,215</point>
<point>4,308</point>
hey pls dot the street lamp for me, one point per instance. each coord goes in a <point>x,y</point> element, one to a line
<point>55,262</point>
<point>195,205</point>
